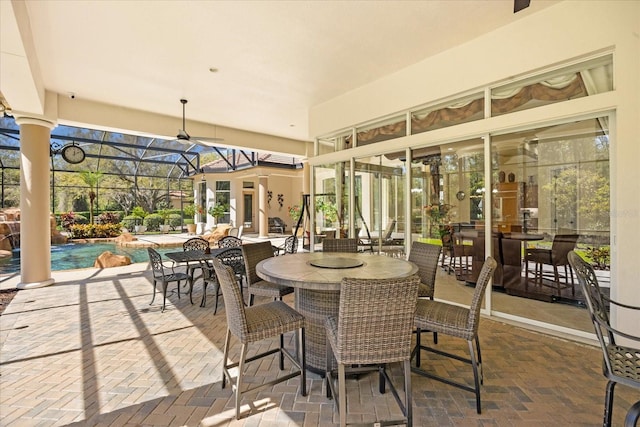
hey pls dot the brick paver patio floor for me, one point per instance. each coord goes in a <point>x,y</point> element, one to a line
<point>91,351</point>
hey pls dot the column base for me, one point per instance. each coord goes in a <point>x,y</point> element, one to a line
<point>34,285</point>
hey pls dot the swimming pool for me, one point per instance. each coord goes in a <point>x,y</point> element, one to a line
<point>80,255</point>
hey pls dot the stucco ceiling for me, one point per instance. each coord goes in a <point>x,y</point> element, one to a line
<point>275,59</point>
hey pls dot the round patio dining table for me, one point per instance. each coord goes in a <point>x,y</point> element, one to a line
<point>317,278</point>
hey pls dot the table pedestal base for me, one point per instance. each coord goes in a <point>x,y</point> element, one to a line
<point>315,306</point>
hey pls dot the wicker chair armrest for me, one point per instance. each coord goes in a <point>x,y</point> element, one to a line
<point>617,332</point>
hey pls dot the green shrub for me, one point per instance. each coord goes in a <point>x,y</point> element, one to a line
<point>189,211</point>
<point>130,221</point>
<point>188,221</point>
<point>153,221</point>
<point>174,220</point>
<point>91,231</point>
<point>109,218</point>
<point>139,212</point>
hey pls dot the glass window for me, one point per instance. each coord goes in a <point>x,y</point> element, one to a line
<point>380,203</point>
<point>223,197</point>
<point>551,194</point>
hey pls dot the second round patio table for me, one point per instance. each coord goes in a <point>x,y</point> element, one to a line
<point>316,278</point>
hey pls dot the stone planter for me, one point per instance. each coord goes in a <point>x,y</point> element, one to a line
<point>140,229</point>
<point>164,228</point>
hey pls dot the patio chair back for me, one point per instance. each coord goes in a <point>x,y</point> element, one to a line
<point>340,245</point>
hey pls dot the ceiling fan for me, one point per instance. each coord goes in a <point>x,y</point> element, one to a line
<point>185,138</point>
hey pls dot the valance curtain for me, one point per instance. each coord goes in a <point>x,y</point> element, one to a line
<point>555,89</point>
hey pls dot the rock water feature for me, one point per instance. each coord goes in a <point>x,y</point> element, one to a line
<point>10,231</point>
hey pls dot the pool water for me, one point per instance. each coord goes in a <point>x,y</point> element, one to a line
<point>81,255</point>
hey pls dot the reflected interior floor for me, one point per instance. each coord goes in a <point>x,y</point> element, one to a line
<point>565,315</point>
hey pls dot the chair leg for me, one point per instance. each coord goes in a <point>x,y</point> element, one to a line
<point>243,355</point>
<point>225,357</point>
<point>479,360</point>
<point>407,392</point>
<point>302,359</point>
<point>153,296</point>
<point>251,299</point>
<point>164,295</point>
<point>608,404</point>
<point>342,395</point>
<point>476,377</point>
<point>217,291</point>
<point>327,372</point>
<point>418,345</point>
<point>190,290</point>
<point>556,276</point>
<point>381,380</point>
<point>281,358</point>
<point>203,303</point>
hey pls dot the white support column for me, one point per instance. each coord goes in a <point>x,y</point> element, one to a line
<point>263,217</point>
<point>35,226</point>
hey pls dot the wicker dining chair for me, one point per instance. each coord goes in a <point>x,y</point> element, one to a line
<point>426,256</point>
<point>455,321</point>
<point>253,253</point>
<point>373,327</point>
<point>162,277</point>
<point>231,257</point>
<point>229,242</point>
<point>340,245</point>
<point>620,363</point>
<point>252,324</point>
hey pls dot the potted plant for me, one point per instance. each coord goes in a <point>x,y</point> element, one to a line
<point>218,211</point>
<point>189,213</point>
<point>164,227</point>
<point>139,212</point>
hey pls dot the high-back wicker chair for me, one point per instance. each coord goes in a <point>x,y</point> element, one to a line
<point>253,253</point>
<point>426,256</point>
<point>620,363</point>
<point>340,245</point>
<point>231,257</point>
<point>373,327</point>
<point>229,242</point>
<point>163,277</point>
<point>455,321</point>
<point>252,324</point>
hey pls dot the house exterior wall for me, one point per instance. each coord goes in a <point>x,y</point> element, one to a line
<point>286,182</point>
<point>556,35</point>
